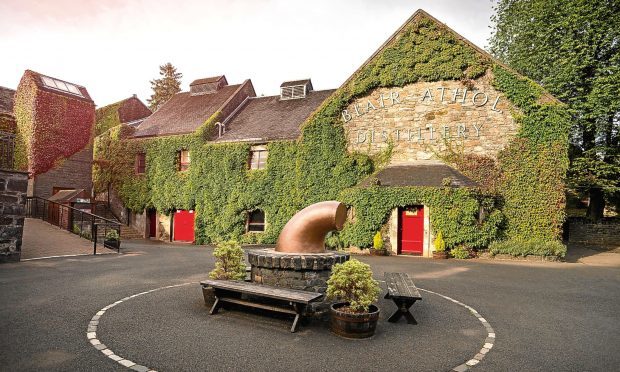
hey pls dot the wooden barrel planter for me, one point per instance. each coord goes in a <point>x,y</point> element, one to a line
<point>352,325</point>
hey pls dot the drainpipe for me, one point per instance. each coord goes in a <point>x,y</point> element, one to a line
<point>306,231</point>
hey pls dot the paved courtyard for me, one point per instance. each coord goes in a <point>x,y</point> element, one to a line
<point>44,240</point>
<point>546,316</point>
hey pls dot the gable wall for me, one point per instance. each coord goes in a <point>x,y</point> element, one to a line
<point>419,125</point>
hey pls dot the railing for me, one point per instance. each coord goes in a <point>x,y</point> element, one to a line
<point>7,150</point>
<point>84,224</point>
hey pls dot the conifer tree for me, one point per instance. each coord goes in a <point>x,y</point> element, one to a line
<point>165,87</point>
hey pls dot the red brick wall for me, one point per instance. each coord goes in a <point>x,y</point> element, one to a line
<point>132,109</point>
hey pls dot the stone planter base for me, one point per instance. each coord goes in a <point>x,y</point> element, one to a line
<point>440,255</point>
<point>378,252</point>
<point>352,325</point>
<point>301,271</point>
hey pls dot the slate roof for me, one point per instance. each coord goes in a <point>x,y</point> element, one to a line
<point>184,113</point>
<point>7,98</point>
<point>263,119</point>
<point>37,79</point>
<point>421,173</point>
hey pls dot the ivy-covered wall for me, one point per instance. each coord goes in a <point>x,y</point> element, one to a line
<point>318,167</point>
<point>50,127</point>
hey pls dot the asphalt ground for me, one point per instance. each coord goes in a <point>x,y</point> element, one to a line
<point>547,317</point>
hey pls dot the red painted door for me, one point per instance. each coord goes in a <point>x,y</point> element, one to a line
<point>184,226</point>
<point>152,223</point>
<point>411,230</point>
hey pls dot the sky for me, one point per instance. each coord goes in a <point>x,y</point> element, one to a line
<point>114,47</point>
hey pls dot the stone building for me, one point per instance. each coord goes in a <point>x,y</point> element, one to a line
<point>54,132</point>
<point>430,134</point>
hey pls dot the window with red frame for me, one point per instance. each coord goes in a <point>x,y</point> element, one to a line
<point>140,163</point>
<point>184,160</point>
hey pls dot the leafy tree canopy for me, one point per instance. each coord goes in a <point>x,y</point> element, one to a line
<point>165,87</point>
<point>572,48</point>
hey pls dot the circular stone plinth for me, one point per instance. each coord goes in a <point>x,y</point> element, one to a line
<point>270,259</point>
<point>301,271</point>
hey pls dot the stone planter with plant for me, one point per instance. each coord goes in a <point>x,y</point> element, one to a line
<point>112,239</point>
<point>440,247</point>
<point>352,284</point>
<point>229,265</point>
<point>378,247</point>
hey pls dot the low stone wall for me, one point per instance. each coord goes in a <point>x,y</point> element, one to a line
<point>301,271</point>
<point>603,234</point>
<point>13,187</point>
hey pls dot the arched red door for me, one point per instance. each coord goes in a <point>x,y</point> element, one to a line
<point>411,230</point>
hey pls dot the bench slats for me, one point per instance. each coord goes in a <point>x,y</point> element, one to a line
<point>284,294</point>
<point>401,286</point>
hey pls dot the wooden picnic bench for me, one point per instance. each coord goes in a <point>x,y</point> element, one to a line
<point>293,301</point>
<point>404,293</point>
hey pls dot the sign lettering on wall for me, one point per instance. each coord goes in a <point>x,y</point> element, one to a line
<point>428,132</point>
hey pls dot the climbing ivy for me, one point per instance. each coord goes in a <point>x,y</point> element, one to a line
<point>107,117</point>
<point>59,125</point>
<point>317,166</point>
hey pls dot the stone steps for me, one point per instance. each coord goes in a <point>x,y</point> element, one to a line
<point>128,232</point>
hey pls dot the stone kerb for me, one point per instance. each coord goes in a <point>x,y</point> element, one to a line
<point>13,186</point>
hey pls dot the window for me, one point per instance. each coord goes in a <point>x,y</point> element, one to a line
<point>140,163</point>
<point>61,85</point>
<point>258,157</point>
<point>256,221</point>
<point>184,160</point>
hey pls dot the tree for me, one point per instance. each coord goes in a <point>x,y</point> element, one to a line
<point>165,87</point>
<point>572,48</point>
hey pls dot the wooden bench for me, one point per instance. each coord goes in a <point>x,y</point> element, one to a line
<point>404,293</point>
<point>230,291</point>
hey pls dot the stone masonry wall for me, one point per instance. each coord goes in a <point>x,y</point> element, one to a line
<point>13,187</point>
<point>604,234</point>
<point>420,119</point>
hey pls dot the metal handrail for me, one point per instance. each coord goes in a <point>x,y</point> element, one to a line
<point>84,224</point>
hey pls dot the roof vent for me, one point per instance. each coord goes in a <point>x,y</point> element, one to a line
<point>207,85</point>
<point>295,89</point>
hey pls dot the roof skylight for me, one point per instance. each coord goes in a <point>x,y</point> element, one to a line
<point>61,85</point>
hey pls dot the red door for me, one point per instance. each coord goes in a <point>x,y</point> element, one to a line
<point>183,228</point>
<point>152,223</point>
<point>411,230</point>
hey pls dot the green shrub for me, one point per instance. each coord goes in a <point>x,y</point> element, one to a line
<point>440,244</point>
<point>377,241</point>
<point>536,247</point>
<point>352,282</point>
<point>333,241</point>
<point>76,229</point>
<point>112,235</point>
<point>229,261</point>
<point>459,252</point>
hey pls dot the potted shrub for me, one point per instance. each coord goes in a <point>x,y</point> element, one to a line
<point>440,247</point>
<point>352,284</point>
<point>112,239</point>
<point>229,265</point>
<point>378,248</point>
